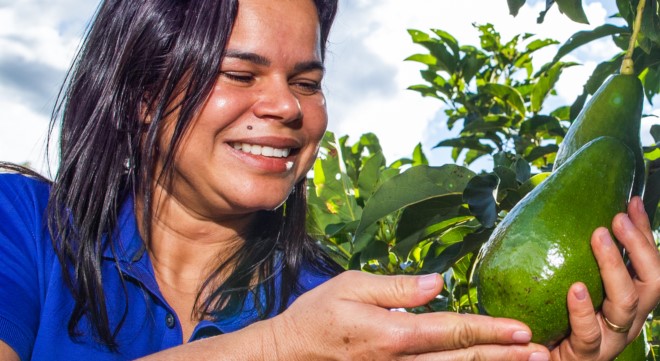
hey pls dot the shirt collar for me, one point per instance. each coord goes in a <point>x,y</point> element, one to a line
<point>129,246</point>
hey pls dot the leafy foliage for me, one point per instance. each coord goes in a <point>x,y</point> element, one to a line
<point>494,92</point>
<point>409,217</point>
<point>647,49</point>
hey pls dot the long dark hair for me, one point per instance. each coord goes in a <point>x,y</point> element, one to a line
<point>137,56</point>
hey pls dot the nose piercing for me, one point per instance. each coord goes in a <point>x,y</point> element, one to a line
<point>249,127</point>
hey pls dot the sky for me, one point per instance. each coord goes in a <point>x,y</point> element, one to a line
<point>366,77</point>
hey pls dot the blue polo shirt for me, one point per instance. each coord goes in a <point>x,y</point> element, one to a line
<point>35,304</point>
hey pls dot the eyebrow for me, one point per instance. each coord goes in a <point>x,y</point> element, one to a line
<point>263,61</point>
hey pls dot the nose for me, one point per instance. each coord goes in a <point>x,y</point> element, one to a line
<point>278,102</point>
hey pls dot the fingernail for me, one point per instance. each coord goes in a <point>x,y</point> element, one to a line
<point>538,356</point>
<point>427,282</point>
<point>521,337</point>
<point>605,238</point>
<point>580,292</point>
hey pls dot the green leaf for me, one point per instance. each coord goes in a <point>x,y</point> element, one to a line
<point>545,84</point>
<point>425,90</point>
<point>426,59</point>
<point>487,124</point>
<point>532,182</point>
<point>370,174</point>
<point>473,60</point>
<point>514,6</point>
<point>448,39</point>
<point>540,151</point>
<point>419,158</point>
<point>418,36</point>
<point>365,238</point>
<point>583,37</point>
<point>573,9</point>
<point>479,195</point>
<point>539,44</point>
<point>562,113</point>
<point>376,250</point>
<point>506,93</point>
<point>652,195</point>
<point>444,59</point>
<point>602,72</point>
<point>440,257</point>
<point>507,178</point>
<point>655,132</point>
<point>332,183</point>
<point>542,125</point>
<point>651,22</point>
<point>651,81</point>
<point>626,10</point>
<point>523,170</point>
<point>457,233</point>
<point>410,187</point>
<point>423,219</point>
<point>469,143</point>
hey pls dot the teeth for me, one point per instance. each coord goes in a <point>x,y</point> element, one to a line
<point>262,150</point>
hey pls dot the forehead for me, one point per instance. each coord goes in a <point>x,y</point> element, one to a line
<point>283,24</point>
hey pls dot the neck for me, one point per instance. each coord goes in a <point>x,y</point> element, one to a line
<point>184,246</point>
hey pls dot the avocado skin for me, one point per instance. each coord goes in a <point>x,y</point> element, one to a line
<point>542,246</point>
<point>634,351</point>
<point>615,110</point>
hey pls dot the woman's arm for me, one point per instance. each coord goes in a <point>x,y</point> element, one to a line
<point>349,318</point>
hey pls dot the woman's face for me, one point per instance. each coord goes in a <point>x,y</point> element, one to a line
<point>259,131</point>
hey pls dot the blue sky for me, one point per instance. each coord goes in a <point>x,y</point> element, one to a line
<point>365,84</point>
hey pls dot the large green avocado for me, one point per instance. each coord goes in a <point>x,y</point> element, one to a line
<point>615,110</point>
<point>542,246</point>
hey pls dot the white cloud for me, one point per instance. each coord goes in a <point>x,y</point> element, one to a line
<point>366,81</point>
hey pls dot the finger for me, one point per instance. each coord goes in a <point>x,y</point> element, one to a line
<point>387,291</point>
<point>442,331</point>
<point>620,305</point>
<point>529,352</point>
<point>586,336</point>
<point>642,253</point>
<point>640,219</point>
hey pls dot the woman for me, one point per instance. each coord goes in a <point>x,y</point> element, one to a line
<point>177,214</point>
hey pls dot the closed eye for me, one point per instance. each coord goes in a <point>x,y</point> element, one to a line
<point>245,78</point>
<point>307,87</point>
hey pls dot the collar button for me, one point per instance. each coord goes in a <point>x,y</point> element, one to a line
<point>169,320</point>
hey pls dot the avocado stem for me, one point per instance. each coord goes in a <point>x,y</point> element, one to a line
<point>628,66</point>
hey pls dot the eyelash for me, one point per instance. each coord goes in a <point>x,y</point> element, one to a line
<point>308,87</point>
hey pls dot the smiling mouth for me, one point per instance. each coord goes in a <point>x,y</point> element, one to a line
<point>263,150</point>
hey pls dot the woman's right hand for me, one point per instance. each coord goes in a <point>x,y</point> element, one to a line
<point>349,318</point>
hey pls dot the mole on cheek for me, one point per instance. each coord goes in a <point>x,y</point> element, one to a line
<point>249,127</point>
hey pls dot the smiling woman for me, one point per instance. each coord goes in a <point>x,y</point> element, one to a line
<point>175,225</point>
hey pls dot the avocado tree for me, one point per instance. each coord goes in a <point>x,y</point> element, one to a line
<point>407,216</point>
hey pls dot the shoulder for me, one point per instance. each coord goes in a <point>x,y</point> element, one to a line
<point>28,258</point>
<point>22,199</point>
<point>22,189</point>
<point>23,203</point>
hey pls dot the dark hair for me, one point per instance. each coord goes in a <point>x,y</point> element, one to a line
<point>137,56</point>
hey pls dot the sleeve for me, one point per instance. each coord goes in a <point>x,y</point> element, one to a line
<point>22,205</point>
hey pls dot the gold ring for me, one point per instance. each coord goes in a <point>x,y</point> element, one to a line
<point>615,328</point>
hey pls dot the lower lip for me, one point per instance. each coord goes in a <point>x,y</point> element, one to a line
<point>270,164</point>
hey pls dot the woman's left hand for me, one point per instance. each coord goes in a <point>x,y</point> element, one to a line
<point>631,293</point>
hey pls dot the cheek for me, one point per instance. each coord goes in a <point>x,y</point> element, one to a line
<point>318,121</point>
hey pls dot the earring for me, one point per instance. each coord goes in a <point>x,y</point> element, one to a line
<point>128,165</point>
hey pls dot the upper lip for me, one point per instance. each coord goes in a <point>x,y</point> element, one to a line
<point>270,141</point>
